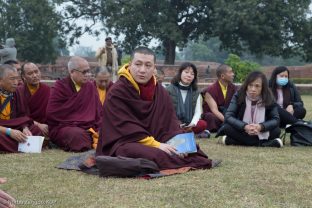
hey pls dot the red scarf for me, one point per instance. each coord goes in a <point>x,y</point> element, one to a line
<point>147,91</point>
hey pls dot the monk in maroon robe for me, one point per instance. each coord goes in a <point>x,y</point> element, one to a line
<point>35,95</point>
<point>139,118</point>
<point>73,111</point>
<point>102,82</point>
<point>15,126</point>
<point>218,97</point>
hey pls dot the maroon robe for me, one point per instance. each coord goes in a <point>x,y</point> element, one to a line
<point>18,121</point>
<point>213,123</point>
<point>70,114</point>
<point>35,104</point>
<point>128,119</point>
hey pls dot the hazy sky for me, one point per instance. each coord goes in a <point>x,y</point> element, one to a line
<point>89,40</point>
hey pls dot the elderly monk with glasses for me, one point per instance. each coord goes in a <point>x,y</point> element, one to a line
<point>73,111</point>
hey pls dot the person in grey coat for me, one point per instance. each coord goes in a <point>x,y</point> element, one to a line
<point>8,52</point>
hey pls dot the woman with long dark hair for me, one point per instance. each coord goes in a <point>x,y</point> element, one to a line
<point>290,105</point>
<point>252,117</point>
<point>186,98</point>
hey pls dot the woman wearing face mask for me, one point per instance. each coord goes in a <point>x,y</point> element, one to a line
<point>187,100</point>
<point>290,105</point>
<point>252,117</point>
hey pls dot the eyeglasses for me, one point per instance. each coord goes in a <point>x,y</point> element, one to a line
<point>84,72</point>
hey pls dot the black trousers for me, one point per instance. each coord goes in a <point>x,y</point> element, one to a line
<point>236,137</point>
<point>287,118</point>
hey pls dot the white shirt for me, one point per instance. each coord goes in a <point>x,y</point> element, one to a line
<point>198,108</point>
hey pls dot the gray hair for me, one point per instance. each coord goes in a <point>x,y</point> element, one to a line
<point>101,70</point>
<point>4,68</point>
<point>73,63</point>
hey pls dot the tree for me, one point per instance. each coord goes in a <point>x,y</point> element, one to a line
<point>173,22</point>
<point>259,26</point>
<point>240,67</point>
<point>35,26</point>
<point>209,50</point>
<point>277,28</point>
<point>204,50</point>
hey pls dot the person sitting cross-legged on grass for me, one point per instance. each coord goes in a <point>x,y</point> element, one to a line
<point>74,109</point>
<point>138,118</point>
<point>290,105</point>
<point>187,99</point>
<point>252,118</point>
<point>15,125</point>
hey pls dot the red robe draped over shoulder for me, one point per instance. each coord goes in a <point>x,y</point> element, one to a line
<point>35,104</point>
<point>213,123</point>
<point>70,114</point>
<point>128,119</point>
<point>18,121</point>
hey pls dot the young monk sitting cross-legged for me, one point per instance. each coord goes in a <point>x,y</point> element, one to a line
<point>139,118</point>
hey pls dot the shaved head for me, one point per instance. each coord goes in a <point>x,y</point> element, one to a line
<point>31,74</point>
<point>102,77</point>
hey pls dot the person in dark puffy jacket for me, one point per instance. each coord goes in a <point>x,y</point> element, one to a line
<point>252,117</point>
<point>290,105</point>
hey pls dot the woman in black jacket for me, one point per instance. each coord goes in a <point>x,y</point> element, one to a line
<point>252,117</point>
<point>290,105</point>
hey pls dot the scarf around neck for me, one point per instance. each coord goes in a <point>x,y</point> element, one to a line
<point>5,93</point>
<point>183,86</point>
<point>147,91</point>
<point>184,109</point>
<point>258,115</point>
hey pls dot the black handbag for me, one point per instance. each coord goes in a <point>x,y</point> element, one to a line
<point>300,134</point>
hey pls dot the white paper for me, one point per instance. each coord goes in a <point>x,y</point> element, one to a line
<point>33,144</point>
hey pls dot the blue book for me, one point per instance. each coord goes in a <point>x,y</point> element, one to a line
<point>184,143</point>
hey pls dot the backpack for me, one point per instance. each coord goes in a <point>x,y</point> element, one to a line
<point>300,134</point>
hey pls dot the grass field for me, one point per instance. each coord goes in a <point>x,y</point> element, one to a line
<point>248,177</point>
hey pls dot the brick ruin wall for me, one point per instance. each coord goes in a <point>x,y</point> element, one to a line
<point>206,70</point>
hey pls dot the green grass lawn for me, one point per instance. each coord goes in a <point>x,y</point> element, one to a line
<point>248,177</point>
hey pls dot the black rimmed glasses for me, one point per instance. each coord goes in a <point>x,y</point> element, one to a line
<point>84,72</point>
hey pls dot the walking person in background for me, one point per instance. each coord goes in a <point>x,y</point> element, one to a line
<point>107,56</point>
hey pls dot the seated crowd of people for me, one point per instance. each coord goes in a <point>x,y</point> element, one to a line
<point>135,116</point>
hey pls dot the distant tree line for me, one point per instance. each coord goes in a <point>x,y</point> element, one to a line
<point>210,50</point>
<point>256,27</point>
